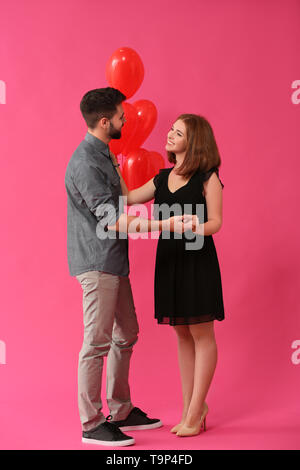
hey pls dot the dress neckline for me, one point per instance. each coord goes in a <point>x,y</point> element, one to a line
<point>183,186</point>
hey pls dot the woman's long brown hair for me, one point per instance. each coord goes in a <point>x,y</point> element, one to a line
<point>202,151</point>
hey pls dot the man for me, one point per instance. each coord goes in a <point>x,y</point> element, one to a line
<point>101,265</point>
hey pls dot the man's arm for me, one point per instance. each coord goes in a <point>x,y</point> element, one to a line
<point>92,186</point>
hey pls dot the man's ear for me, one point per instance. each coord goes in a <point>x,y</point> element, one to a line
<point>104,123</point>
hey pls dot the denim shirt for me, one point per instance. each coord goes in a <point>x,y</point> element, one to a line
<point>92,182</point>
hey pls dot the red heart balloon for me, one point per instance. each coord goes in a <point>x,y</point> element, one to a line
<point>156,161</point>
<point>128,130</point>
<point>125,71</point>
<point>136,168</point>
<point>140,166</point>
<point>146,120</point>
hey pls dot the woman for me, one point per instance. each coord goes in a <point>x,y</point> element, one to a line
<point>188,289</point>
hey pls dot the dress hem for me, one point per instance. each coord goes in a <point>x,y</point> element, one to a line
<point>175,322</point>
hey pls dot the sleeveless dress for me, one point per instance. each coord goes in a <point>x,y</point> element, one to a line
<point>187,285</point>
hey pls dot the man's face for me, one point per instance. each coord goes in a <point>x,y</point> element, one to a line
<point>116,123</point>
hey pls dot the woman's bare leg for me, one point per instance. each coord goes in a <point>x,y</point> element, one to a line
<point>205,365</point>
<point>186,360</point>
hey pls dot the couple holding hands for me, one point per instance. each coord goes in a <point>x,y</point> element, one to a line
<point>188,288</point>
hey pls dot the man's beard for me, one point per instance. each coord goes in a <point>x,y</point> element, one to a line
<point>114,133</point>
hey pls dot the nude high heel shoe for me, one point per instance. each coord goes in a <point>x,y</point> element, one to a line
<point>176,428</point>
<point>185,431</point>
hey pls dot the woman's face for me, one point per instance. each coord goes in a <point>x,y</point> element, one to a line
<point>176,139</point>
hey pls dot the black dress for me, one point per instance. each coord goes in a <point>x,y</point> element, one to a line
<point>188,287</point>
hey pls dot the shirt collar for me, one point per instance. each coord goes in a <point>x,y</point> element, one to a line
<point>97,144</point>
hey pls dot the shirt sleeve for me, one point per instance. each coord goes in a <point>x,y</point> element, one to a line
<point>208,174</point>
<point>158,178</point>
<point>96,192</point>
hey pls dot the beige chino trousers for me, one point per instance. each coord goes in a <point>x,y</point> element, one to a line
<point>110,329</point>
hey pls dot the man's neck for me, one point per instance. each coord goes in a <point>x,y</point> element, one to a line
<point>100,135</point>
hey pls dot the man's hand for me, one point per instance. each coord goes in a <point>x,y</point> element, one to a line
<point>113,158</point>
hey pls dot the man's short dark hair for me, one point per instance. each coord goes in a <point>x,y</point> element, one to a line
<point>99,103</point>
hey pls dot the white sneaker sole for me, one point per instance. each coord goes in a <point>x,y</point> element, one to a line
<point>141,427</point>
<point>128,442</point>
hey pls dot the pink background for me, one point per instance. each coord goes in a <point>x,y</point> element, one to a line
<point>233,62</point>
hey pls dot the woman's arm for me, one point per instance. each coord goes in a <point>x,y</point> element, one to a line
<point>214,203</point>
<point>142,194</point>
<point>132,224</point>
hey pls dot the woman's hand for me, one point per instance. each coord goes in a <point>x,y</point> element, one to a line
<point>193,219</point>
<point>178,223</point>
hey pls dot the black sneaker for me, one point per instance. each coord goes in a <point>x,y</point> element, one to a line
<point>107,434</point>
<point>137,420</point>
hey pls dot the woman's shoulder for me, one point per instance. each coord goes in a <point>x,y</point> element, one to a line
<point>205,175</point>
<point>161,175</point>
